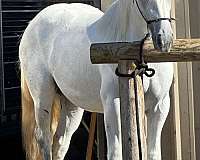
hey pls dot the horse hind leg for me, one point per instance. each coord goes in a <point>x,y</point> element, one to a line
<point>41,96</point>
<point>28,123</point>
<point>70,118</point>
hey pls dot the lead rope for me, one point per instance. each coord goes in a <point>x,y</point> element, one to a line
<point>141,68</point>
<point>141,65</point>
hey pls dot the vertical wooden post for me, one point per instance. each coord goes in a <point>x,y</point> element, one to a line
<point>130,149</point>
<point>105,4</point>
<point>171,136</point>
<point>101,137</point>
<point>2,96</point>
<point>91,136</point>
<point>142,117</point>
<point>195,33</point>
<point>185,73</point>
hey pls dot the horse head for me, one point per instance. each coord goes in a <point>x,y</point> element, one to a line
<point>157,14</point>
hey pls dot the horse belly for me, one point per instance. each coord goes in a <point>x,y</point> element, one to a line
<point>80,82</point>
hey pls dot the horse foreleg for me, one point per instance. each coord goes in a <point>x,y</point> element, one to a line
<point>113,128</point>
<point>156,117</point>
<point>70,119</point>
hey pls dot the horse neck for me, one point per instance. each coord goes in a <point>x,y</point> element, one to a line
<point>121,22</point>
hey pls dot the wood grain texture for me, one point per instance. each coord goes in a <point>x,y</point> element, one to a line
<point>101,138</point>
<point>91,136</point>
<point>183,50</point>
<point>171,134</point>
<point>142,117</point>
<point>128,114</point>
<point>195,32</point>
<point>128,110</point>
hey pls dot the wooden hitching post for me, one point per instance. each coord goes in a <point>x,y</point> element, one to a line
<point>91,136</point>
<point>130,147</point>
<point>124,54</point>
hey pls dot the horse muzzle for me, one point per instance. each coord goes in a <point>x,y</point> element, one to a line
<point>162,42</point>
<point>162,35</point>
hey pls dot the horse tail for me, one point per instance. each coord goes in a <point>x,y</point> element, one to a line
<point>28,122</point>
<point>55,114</point>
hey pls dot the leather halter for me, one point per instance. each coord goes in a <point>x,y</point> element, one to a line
<point>154,20</point>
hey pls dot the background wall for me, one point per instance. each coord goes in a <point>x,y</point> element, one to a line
<point>105,4</point>
<point>180,138</point>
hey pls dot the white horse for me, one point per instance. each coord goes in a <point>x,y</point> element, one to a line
<point>56,70</point>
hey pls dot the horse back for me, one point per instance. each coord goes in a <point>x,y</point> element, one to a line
<point>56,42</point>
<point>54,22</point>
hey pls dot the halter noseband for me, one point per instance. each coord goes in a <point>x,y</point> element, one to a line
<point>160,19</point>
<point>154,20</point>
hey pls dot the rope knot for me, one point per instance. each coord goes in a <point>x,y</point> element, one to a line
<point>141,66</point>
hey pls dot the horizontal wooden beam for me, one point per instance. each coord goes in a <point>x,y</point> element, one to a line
<point>183,50</point>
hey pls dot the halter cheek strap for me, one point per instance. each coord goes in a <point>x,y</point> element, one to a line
<point>154,20</point>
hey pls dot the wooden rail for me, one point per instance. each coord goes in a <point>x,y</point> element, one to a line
<point>125,54</point>
<point>183,50</point>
